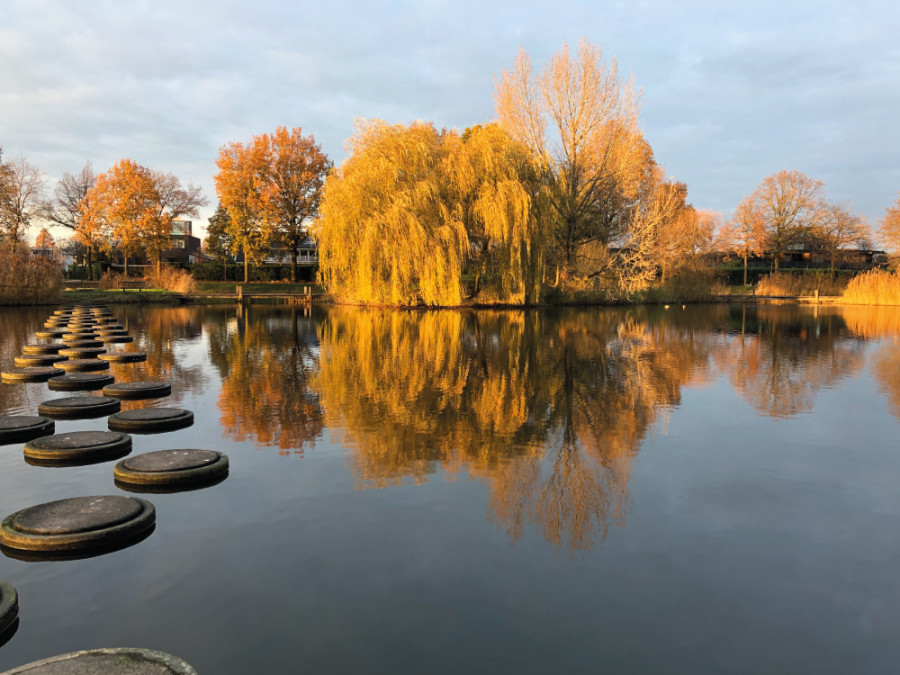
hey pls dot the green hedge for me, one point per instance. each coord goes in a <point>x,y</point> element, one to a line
<point>213,271</point>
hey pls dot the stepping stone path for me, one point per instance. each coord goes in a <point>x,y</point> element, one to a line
<point>51,333</point>
<point>79,407</point>
<point>9,606</point>
<point>120,660</point>
<point>78,336</point>
<point>151,420</point>
<point>38,360</point>
<point>172,468</point>
<point>82,352</point>
<point>77,524</point>
<point>83,365</point>
<point>123,357</point>
<point>21,428</point>
<point>77,447</point>
<point>35,374</point>
<point>80,381</point>
<point>134,391</point>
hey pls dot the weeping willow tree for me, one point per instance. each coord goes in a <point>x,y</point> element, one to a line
<point>496,190</point>
<point>386,235</point>
<point>413,208</point>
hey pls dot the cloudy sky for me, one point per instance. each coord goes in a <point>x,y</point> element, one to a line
<point>732,92</point>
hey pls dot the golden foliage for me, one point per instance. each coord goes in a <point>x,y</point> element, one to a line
<point>890,227</point>
<point>790,285</point>
<point>171,279</point>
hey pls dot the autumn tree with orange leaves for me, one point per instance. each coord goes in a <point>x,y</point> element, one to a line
<point>890,227</point>
<point>135,206</point>
<point>271,188</point>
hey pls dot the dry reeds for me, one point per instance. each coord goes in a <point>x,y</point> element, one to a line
<point>876,287</point>
<point>171,279</point>
<point>109,280</point>
<point>787,285</point>
<point>26,279</point>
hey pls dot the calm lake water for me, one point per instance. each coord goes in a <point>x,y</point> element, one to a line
<point>709,489</point>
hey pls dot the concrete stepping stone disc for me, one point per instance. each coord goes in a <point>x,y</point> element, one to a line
<point>112,331</point>
<point>151,420</point>
<point>52,348</point>
<point>77,524</point>
<point>76,326</point>
<point>50,333</point>
<point>120,660</point>
<point>80,381</point>
<point>9,606</point>
<point>123,357</point>
<point>116,339</point>
<point>172,467</point>
<point>62,312</point>
<point>83,365</point>
<point>21,428</point>
<point>81,447</point>
<point>133,391</point>
<point>78,336</point>
<point>79,407</point>
<point>35,374</point>
<point>36,360</point>
<point>82,352</point>
<point>86,342</point>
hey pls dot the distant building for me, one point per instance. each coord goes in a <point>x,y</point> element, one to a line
<point>185,246</point>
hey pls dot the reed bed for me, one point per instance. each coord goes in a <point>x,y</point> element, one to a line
<point>786,285</point>
<point>171,279</point>
<point>876,287</point>
<point>26,279</point>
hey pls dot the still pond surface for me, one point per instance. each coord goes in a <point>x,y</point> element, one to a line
<point>709,489</point>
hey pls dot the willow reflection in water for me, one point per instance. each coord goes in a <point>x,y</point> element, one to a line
<point>547,409</point>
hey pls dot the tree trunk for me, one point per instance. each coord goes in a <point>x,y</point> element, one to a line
<point>90,263</point>
<point>294,265</point>
<point>246,267</point>
<point>125,258</point>
<point>225,268</point>
<point>832,267</point>
<point>745,269</point>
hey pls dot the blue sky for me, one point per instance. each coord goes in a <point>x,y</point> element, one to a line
<point>732,92</point>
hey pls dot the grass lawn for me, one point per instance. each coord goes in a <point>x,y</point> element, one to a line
<point>125,296</point>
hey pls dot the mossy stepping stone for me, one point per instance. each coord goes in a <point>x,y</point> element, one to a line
<point>116,339</point>
<point>79,407</point>
<point>123,357</point>
<point>33,374</point>
<point>172,468</point>
<point>20,428</point>
<point>77,447</point>
<point>36,360</point>
<point>133,391</point>
<point>82,352</point>
<point>118,661</point>
<point>80,381</point>
<point>77,524</point>
<point>9,606</point>
<point>151,420</point>
<point>52,348</point>
<point>83,365</point>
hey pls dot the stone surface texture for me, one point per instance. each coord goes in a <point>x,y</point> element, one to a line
<point>121,661</point>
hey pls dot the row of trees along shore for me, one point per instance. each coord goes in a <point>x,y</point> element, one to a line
<point>560,193</point>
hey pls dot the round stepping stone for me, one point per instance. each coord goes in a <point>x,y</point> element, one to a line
<point>50,333</point>
<point>52,348</point>
<point>132,391</point>
<point>20,428</point>
<point>116,339</point>
<point>34,360</point>
<point>9,606</point>
<point>62,312</point>
<point>79,407</point>
<point>82,352</point>
<point>151,420</point>
<point>79,336</point>
<point>80,381</point>
<point>77,524</point>
<point>81,447</point>
<point>172,467</point>
<point>119,660</point>
<point>35,374</point>
<point>86,342</point>
<point>83,365</point>
<point>112,331</point>
<point>123,357</point>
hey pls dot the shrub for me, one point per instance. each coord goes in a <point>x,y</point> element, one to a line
<point>877,287</point>
<point>26,279</point>
<point>785,284</point>
<point>171,279</point>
